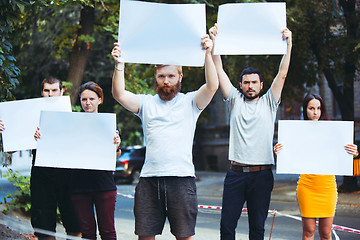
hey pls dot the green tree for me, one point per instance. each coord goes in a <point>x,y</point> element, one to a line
<point>9,73</point>
<point>326,36</point>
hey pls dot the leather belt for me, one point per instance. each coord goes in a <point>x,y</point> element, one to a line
<point>256,168</point>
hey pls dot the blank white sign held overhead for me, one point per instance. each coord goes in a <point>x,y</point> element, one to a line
<point>251,29</point>
<point>315,147</point>
<point>158,33</point>
<point>77,140</point>
<point>21,118</point>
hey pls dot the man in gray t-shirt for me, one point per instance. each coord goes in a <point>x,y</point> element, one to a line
<point>252,119</point>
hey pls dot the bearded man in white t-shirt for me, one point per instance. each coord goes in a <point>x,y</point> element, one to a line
<point>166,188</point>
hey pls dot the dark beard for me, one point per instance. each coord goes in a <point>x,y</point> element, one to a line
<point>169,93</point>
<point>247,97</point>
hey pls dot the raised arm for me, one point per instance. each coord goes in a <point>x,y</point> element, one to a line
<point>207,91</point>
<point>224,81</point>
<point>279,80</point>
<point>127,99</point>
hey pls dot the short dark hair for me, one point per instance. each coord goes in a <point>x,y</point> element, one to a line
<point>307,99</point>
<point>250,70</point>
<point>93,87</point>
<point>51,80</point>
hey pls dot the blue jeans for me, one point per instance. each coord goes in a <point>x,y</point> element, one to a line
<point>254,188</point>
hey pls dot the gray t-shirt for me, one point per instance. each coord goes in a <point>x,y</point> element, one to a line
<point>169,128</point>
<point>251,128</point>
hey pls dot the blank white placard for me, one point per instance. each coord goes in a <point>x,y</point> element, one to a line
<point>315,147</point>
<point>251,29</point>
<point>77,140</point>
<point>21,118</point>
<point>159,33</point>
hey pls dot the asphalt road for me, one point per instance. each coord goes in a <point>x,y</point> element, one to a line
<point>207,227</point>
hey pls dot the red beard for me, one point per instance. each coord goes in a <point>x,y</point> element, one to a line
<point>169,92</point>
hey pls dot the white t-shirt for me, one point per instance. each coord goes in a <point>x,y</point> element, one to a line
<point>251,128</point>
<point>169,128</point>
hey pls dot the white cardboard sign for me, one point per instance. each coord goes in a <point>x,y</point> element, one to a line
<point>251,29</point>
<point>315,147</point>
<point>21,118</point>
<point>77,140</point>
<point>159,33</point>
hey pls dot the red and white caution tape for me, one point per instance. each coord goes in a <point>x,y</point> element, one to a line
<point>209,207</point>
<point>346,229</point>
<point>126,195</point>
<point>335,227</point>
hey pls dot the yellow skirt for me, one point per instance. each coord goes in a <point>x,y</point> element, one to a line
<point>317,195</point>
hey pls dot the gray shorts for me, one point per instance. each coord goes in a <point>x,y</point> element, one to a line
<point>159,197</point>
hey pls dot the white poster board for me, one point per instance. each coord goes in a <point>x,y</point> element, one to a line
<point>251,29</point>
<point>315,147</point>
<point>77,140</point>
<point>159,33</point>
<point>21,118</point>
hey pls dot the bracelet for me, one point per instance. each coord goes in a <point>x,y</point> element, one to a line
<point>357,154</point>
<point>119,69</point>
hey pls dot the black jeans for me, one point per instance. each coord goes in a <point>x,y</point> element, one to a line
<point>254,188</point>
<point>49,189</point>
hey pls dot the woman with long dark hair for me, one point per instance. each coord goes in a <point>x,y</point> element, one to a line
<point>317,194</point>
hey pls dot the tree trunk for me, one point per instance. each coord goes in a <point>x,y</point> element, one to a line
<point>345,96</point>
<point>351,59</point>
<point>80,52</point>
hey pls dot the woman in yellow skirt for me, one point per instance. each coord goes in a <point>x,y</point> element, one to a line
<point>317,194</point>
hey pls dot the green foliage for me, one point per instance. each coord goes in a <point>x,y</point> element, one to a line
<point>65,39</point>
<point>20,198</point>
<point>66,87</point>
<point>86,39</point>
<point>9,72</point>
<point>325,40</point>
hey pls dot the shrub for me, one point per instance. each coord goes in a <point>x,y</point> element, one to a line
<point>20,198</point>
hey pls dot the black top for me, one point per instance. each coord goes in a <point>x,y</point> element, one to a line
<point>83,180</point>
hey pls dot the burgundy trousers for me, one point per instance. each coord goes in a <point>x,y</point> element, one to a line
<point>104,203</point>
